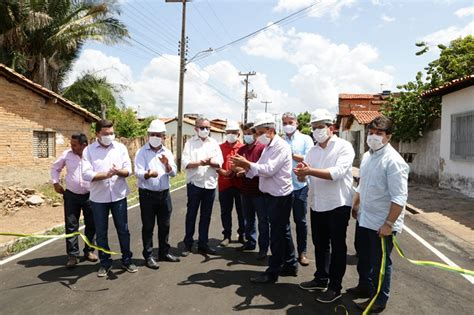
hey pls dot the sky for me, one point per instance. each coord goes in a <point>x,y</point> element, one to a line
<point>339,46</point>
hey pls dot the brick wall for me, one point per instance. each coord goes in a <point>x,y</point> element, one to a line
<point>346,106</point>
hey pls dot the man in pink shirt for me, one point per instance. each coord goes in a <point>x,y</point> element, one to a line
<point>76,197</point>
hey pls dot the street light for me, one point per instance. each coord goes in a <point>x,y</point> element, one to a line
<point>209,50</point>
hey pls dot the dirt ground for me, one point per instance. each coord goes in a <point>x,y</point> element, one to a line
<point>23,176</point>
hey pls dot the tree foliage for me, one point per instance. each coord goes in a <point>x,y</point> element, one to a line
<point>303,123</point>
<point>412,114</point>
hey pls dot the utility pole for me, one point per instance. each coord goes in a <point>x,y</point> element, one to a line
<point>103,110</point>
<point>246,97</point>
<point>266,103</point>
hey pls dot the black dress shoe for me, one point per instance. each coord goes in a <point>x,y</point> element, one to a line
<point>169,257</point>
<point>263,279</point>
<point>289,272</point>
<point>207,250</point>
<point>152,263</point>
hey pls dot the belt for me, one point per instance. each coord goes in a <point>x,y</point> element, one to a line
<point>154,192</point>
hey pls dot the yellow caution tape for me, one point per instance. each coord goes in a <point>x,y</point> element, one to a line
<point>381,276</point>
<point>86,240</point>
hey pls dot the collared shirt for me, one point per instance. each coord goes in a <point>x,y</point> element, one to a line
<point>147,159</point>
<point>274,168</point>
<point>252,153</point>
<point>300,144</point>
<point>383,180</point>
<point>196,149</point>
<point>97,158</point>
<point>73,179</point>
<point>228,150</point>
<point>337,157</point>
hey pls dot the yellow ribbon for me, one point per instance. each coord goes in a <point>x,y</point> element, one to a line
<point>86,240</point>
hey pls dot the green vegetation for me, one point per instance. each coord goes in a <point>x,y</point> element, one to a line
<point>27,242</point>
<point>303,123</point>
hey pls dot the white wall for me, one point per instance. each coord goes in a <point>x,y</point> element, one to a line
<point>458,175</point>
<point>349,136</point>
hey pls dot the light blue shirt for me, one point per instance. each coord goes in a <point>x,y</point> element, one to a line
<point>300,144</point>
<point>147,159</point>
<point>383,180</point>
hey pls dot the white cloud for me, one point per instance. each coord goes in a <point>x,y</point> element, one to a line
<point>463,12</point>
<point>327,7</point>
<point>446,35</point>
<point>387,18</point>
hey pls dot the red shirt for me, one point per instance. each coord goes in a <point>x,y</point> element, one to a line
<point>228,150</point>
<point>252,153</point>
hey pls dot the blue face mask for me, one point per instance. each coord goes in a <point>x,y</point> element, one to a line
<point>249,139</point>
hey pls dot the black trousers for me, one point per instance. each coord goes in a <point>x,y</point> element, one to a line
<point>73,204</point>
<point>329,238</point>
<point>155,205</point>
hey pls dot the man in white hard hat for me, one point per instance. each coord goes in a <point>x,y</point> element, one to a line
<point>154,165</point>
<point>329,167</point>
<point>274,171</point>
<point>229,193</point>
<point>300,146</point>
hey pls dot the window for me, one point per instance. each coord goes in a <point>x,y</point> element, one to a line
<point>44,144</point>
<point>462,136</point>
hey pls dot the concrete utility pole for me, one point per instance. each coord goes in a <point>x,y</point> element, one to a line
<point>246,97</point>
<point>266,103</point>
<point>103,111</point>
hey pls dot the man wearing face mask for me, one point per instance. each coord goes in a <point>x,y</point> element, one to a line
<point>379,206</point>
<point>154,165</point>
<point>106,164</point>
<point>300,145</point>
<point>274,171</point>
<point>329,167</point>
<point>229,185</point>
<point>201,159</point>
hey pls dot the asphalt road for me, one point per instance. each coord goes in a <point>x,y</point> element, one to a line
<point>38,283</point>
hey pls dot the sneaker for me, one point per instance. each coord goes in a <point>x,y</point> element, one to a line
<point>72,261</point>
<point>329,296</point>
<point>246,248</point>
<point>225,242</point>
<point>103,271</point>
<point>359,292</point>
<point>130,267</point>
<point>376,308</point>
<point>186,251</point>
<point>315,284</point>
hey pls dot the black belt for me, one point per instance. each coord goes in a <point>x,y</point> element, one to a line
<point>154,192</point>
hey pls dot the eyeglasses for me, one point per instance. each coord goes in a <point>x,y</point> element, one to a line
<point>204,128</point>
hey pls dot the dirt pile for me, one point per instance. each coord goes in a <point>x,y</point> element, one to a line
<point>13,198</point>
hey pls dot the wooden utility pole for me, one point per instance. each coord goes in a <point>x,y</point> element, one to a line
<point>266,103</point>
<point>246,97</point>
<point>103,111</point>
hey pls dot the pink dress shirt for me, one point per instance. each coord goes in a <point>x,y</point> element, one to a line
<point>74,181</point>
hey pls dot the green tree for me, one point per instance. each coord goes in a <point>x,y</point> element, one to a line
<point>42,38</point>
<point>412,114</point>
<point>303,123</point>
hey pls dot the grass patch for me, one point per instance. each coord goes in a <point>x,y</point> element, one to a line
<point>178,181</point>
<point>27,242</point>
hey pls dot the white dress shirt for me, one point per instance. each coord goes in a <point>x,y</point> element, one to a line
<point>274,168</point>
<point>97,158</point>
<point>147,159</point>
<point>196,149</point>
<point>337,157</point>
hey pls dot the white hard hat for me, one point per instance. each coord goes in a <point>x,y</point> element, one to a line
<point>264,118</point>
<point>321,115</point>
<point>157,125</point>
<point>232,125</point>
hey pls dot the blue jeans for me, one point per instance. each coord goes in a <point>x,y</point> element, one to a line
<point>252,205</point>
<point>101,220</point>
<point>300,208</point>
<point>363,268</point>
<point>227,198</point>
<point>281,243</point>
<point>198,197</point>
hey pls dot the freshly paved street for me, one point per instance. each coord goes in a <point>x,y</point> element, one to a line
<point>38,283</point>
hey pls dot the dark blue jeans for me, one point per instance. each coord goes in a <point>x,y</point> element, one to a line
<point>251,206</point>
<point>363,268</point>
<point>329,238</point>
<point>73,203</point>
<point>101,220</point>
<point>281,242</point>
<point>155,205</point>
<point>198,197</point>
<point>227,199</point>
<point>300,205</point>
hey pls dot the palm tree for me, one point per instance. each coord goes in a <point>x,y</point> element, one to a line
<point>42,38</point>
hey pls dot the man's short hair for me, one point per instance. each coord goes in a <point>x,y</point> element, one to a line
<point>289,115</point>
<point>104,123</point>
<point>200,119</point>
<point>247,126</point>
<point>80,137</point>
<point>381,123</point>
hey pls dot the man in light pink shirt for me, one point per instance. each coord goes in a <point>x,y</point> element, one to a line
<point>76,197</point>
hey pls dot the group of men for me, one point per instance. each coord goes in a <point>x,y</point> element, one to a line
<point>267,178</point>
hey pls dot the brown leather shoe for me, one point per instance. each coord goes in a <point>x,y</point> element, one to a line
<point>72,261</point>
<point>90,256</point>
<point>303,260</point>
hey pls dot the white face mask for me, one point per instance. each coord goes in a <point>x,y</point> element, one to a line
<point>231,138</point>
<point>107,140</point>
<point>264,139</point>
<point>375,142</point>
<point>320,135</point>
<point>203,133</point>
<point>289,129</point>
<point>155,141</point>
<point>248,139</point>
